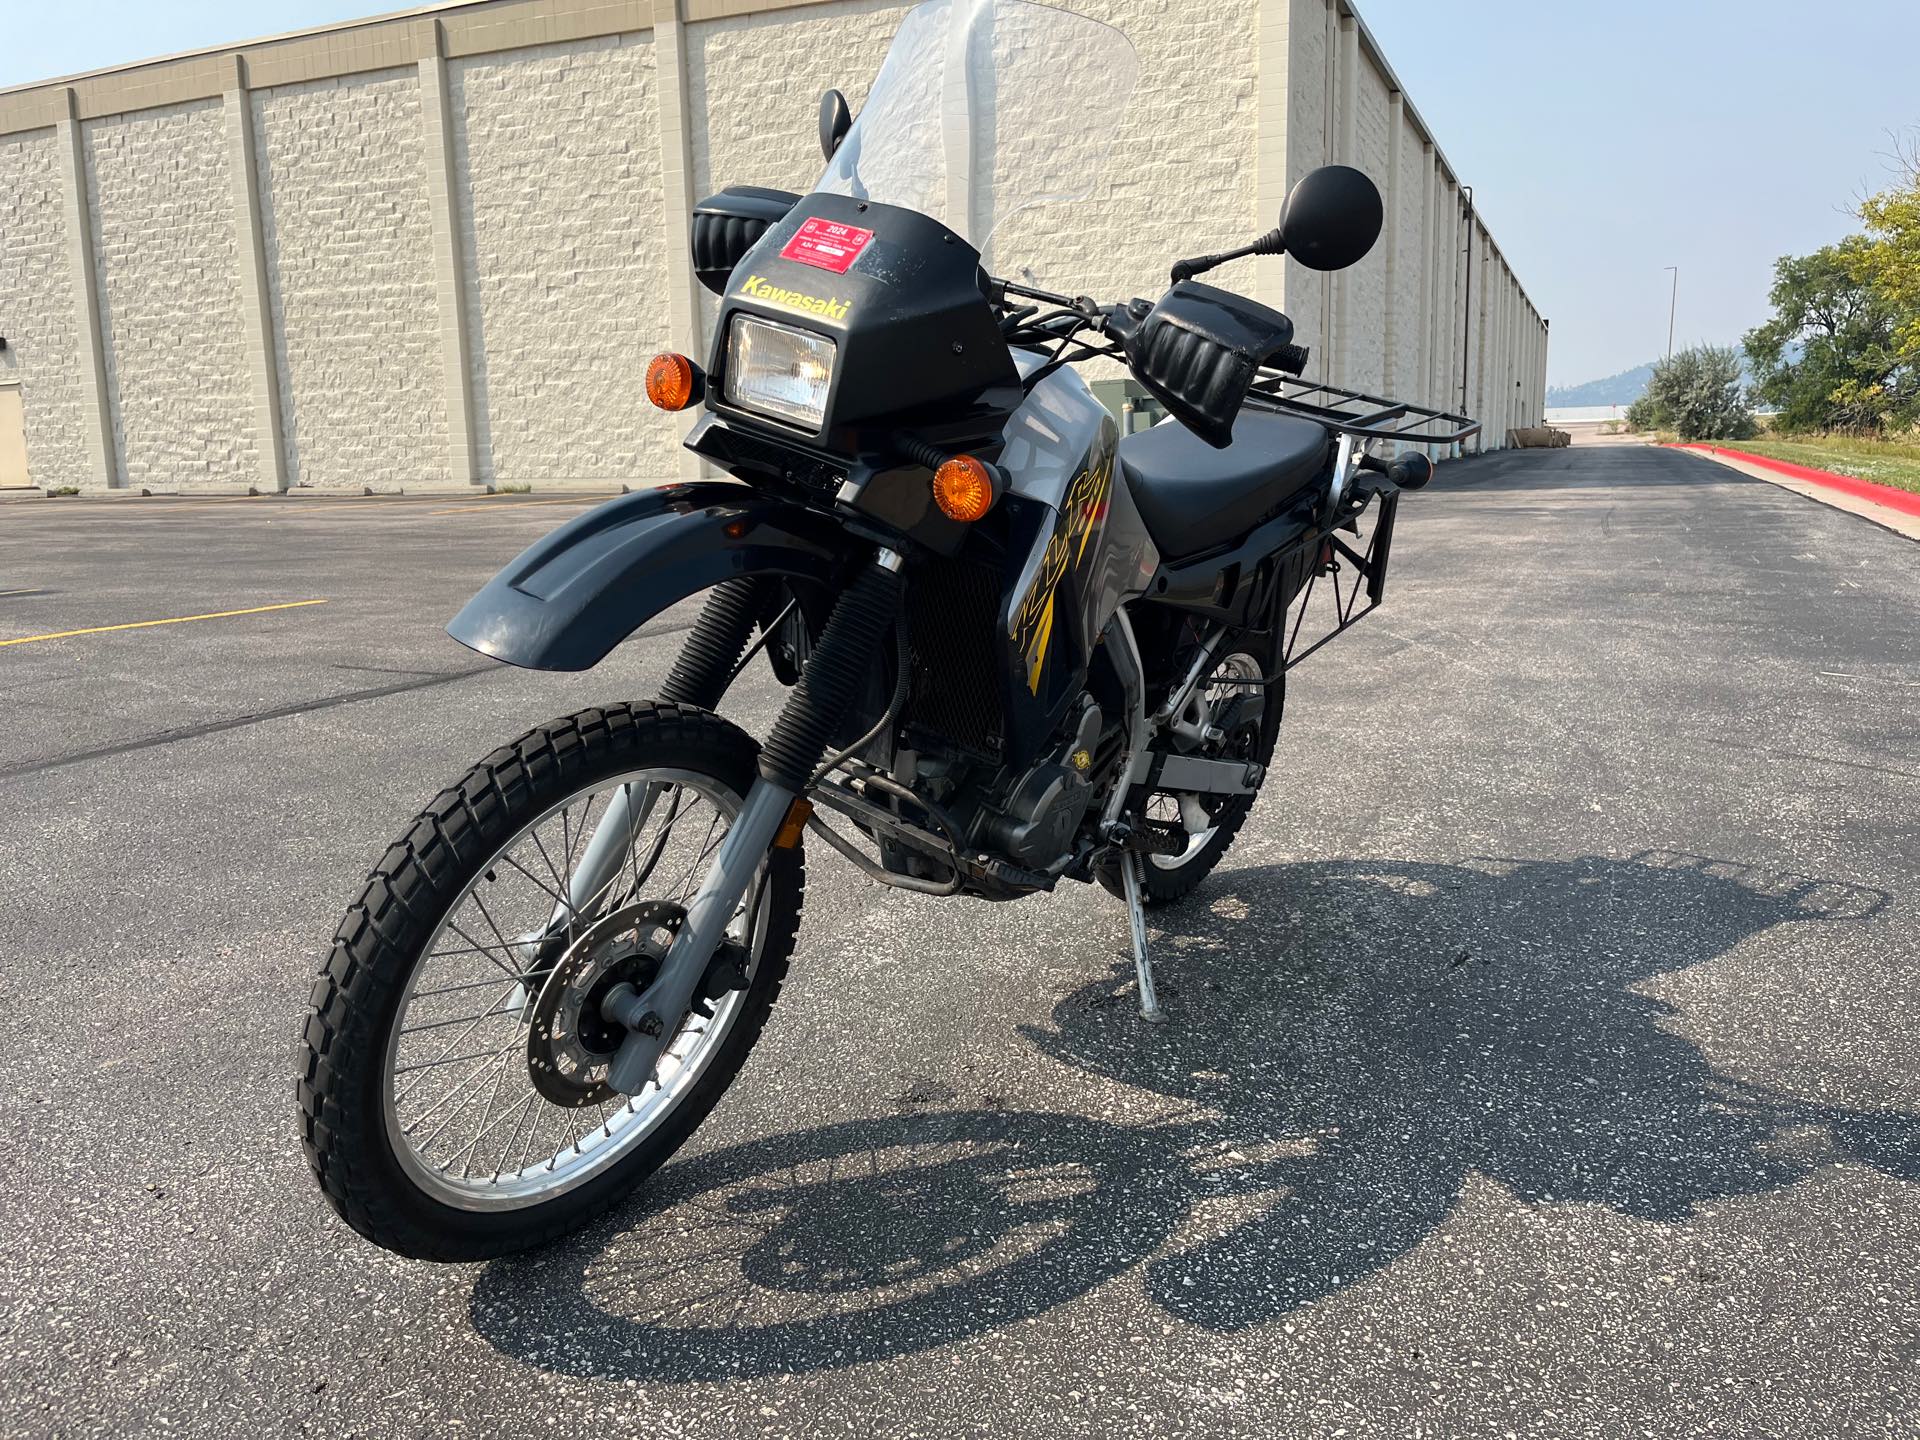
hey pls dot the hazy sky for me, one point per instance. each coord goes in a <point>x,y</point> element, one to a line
<point>1604,139</point>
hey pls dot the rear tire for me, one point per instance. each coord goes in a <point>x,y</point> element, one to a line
<point>467,836</point>
<point>1164,880</point>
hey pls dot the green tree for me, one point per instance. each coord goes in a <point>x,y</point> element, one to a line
<point>1828,359</point>
<point>1888,260</point>
<point>1697,393</point>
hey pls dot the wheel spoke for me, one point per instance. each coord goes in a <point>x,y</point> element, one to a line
<point>487,950</point>
<point>464,1083</point>
<point>466,1165</point>
<point>513,1135</point>
<point>442,1024</point>
<point>691,876</point>
<point>451,1044</point>
<point>465,1117</point>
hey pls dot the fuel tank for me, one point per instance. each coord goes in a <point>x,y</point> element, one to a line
<point>1080,551</point>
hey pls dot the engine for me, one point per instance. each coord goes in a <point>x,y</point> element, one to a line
<point>1036,824</point>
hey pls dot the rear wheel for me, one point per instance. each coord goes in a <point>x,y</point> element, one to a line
<point>1224,702</point>
<point>453,1086</point>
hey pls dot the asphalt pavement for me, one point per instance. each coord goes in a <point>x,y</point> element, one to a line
<point>1542,1062</point>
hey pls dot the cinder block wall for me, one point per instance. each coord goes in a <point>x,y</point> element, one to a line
<point>163,253</point>
<point>37,310</point>
<point>557,166</point>
<point>435,251</point>
<point>348,236</point>
<point>1434,315</point>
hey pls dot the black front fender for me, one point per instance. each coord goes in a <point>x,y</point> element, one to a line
<point>572,596</point>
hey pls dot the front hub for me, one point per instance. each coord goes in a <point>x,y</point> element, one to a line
<point>569,1042</point>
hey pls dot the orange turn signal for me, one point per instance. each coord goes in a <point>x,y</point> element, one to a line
<point>963,488</point>
<point>670,381</point>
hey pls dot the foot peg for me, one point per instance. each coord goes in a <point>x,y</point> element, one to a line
<point>1150,1010</point>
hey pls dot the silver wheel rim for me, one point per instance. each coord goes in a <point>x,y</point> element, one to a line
<point>462,1116</point>
<point>1236,673</point>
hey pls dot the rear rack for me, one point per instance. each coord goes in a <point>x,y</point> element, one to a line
<point>1371,417</point>
<point>1323,551</point>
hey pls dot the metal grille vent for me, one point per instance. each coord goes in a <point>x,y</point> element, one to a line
<point>956,662</point>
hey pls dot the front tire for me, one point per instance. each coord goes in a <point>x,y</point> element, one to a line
<point>461,912</point>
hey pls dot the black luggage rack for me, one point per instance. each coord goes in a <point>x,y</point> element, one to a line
<point>1365,417</point>
<point>1369,417</point>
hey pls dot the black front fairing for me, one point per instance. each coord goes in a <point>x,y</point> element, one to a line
<point>917,345</point>
<point>1004,612</point>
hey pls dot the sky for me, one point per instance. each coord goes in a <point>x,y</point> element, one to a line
<point>1604,139</point>
<point>1610,138</point>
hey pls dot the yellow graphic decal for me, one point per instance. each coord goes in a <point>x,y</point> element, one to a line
<point>1081,513</point>
<point>825,307</point>
<point>1037,652</point>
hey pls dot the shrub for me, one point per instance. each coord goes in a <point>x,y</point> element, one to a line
<point>1697,393</point>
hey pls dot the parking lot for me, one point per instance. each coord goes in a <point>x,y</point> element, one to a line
<point>1543,1059</point>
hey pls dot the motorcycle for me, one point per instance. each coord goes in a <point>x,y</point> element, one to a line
<point>1021,646</point>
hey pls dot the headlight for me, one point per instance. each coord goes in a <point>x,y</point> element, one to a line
<point>778,370</point>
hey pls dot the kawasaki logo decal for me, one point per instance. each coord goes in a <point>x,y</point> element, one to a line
<point>826,308</point>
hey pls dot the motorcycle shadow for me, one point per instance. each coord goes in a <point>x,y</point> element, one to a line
<point>1352,1040</point>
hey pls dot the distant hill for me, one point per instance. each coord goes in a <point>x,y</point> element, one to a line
<point>1629,385</point>
<point>1622,389</point>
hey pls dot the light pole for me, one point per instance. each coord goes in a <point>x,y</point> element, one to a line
<point>1673,302</point>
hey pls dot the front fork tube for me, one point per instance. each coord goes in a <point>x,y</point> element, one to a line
<point>835,673</point>
<point>699,677</point>
<point>644,1013</point>
<point>626,816</point>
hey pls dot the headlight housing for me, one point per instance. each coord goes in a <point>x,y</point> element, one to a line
<point>779,370</point>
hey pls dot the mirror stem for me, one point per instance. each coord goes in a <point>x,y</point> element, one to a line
<point>1268,244</point>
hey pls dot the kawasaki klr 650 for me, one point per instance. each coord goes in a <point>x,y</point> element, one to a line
<point>1022,646</point>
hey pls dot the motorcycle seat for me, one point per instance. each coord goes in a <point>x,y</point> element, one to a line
<point>1193,497</point>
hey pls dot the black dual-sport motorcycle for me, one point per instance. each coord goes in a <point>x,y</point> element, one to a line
<point>1023,647</point>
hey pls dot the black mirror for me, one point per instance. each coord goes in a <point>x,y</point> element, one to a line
<point>835,120</point>
<point>1331,218</point>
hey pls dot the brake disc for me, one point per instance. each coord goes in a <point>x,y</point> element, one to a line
<point>569,1042</point>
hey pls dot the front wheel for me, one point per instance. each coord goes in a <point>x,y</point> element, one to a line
<point>452,1080</point>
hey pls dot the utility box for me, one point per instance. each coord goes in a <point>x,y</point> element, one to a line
<point>1130,404</point>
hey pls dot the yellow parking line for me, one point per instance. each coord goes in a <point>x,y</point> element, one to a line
<point>175,620</point>
<point>31,591</point>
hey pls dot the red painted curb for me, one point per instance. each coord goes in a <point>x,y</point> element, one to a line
<point>1905,501</point>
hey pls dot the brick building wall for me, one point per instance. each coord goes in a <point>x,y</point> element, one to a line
<point>435,250</point>
<point>37,310</point>
<point>343,213</point>
<point>557,166</point>
<point>165,266</point>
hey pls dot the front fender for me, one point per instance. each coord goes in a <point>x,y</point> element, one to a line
<point>573,595</point>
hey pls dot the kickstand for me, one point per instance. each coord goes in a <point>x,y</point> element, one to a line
<point>1150,1010</point>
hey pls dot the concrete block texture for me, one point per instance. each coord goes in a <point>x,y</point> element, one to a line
<point>557,182</point>
<point>349,245</point>
<point>466,258</point>
<point>172,328</point>
<point>753,92</point>
<point>37,311</point>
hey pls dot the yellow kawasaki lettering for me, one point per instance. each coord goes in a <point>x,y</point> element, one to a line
<point>825,307</point>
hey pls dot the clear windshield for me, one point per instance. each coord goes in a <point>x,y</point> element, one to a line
<point>985,108</point>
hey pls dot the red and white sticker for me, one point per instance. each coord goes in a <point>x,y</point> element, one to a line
<point>826,245</point>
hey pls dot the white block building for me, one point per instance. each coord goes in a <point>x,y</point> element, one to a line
<point>435,250</point>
